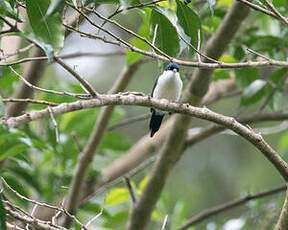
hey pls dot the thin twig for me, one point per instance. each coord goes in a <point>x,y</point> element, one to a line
<point>83,82</point>
<point>130,189</point>
<point>82,96</point>
<point>155,35</point>
<point>202,65</point>
<point>42,204</point>
<point>272,93</point>
<point>64,56</point>
<point>105,186</point>
<point>197,51</point>
<point>18,51</point>
<point>258,54</point>
<point>121,27</point>
<point>229,205</point>
<point>54,123</point>
<point>164,223</point>
<point>131,99</point>
<point>129,121</point>
<point>259,8</point>
<point>199,45</point>
<point>275,11</point>
<point>28,100</point>
<point>8,23</point>
<point>32,214</point>
<point>118,10</point>
<point>13,226</point>
<point>95,217</point>
<point>77,141</point>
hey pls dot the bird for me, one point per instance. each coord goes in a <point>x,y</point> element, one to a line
<point>169,86</point>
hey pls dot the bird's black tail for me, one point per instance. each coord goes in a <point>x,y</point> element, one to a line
<point>155,122</point>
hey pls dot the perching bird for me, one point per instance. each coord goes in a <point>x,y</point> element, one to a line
<point>168,86</point>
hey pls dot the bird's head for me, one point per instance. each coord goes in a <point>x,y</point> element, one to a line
<point>173,67</point>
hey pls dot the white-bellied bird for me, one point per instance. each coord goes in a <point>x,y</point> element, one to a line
<point>168,85</point>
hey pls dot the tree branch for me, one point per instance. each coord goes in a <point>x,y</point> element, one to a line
<point>147,147</point>
<point>282,222</point>
<point>28,100</point>
<point>259,8</point>
<point>86,156</point>
<point>79,78</point>
<point>172,148</point>
<point>33,74</point>
<point>127,99</point>
<point>276,12</point>
<point>200,65</point>
<point>229,205</point>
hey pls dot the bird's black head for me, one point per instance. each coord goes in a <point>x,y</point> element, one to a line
<point>173,67</point>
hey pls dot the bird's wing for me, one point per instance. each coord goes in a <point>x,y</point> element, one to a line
<point>153,92</point>
<point>154,87</point>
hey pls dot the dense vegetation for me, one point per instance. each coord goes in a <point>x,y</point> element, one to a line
<point>75,154</point>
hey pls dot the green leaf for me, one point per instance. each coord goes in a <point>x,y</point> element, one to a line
<point>167,39</point>
<point>9,136</point>
<point>189,21</point>
<point>116,220</point>
<point>224,3</point>
<point>87,2</point>
<point>254,92</point>
<point>143,31</point>
<point>220,74</point>
<point>47,48</point>
<point>179,214</point>
<point>246,76</point>
<point>11,2</point>
<point>2,215</point>
<point>7,10</point>
<point>278,75</point>
<point>56,6</point>
<point>48,30</point>
<point>8,80</point>
<point>283,143</point>
<point>227,59</point>
<point>210,24</point>
<point>279,3</point>
<point>143,184</point>
<point>114,141</point>
<point>2,108</point>
<point>117,195</point>
<point>15,150</point>
<point>276,103</point>
<point>26,176</point>
<point>126,3</point>
<point>16,184</point>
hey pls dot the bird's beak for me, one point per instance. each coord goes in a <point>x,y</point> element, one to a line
<point>174,70</point>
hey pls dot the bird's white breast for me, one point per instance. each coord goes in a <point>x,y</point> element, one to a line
<point>169,86</point>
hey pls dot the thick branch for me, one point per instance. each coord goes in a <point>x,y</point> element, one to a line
<point>33,74</point>
<point>202,113</point>
<point>147,147</point>
<point>173,146</point>
<point>282,223</point>
<point>131,164</point>
<point>86,156</point>
<point>229,205</point>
